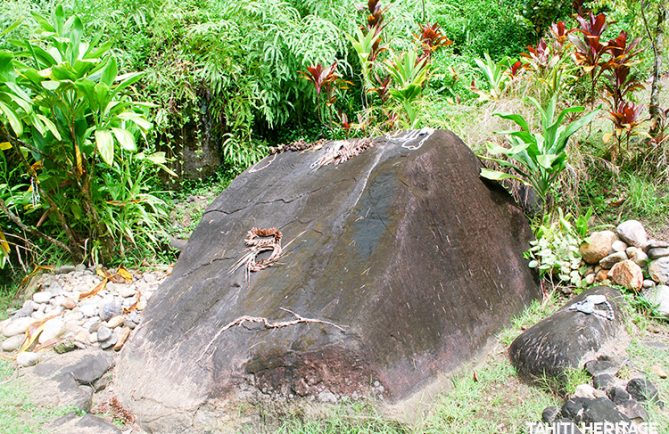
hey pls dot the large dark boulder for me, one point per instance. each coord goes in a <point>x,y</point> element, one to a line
<point>569,338</point>
<point>403,246</point>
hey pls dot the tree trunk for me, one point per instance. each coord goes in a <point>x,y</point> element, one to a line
<point>654,106</point>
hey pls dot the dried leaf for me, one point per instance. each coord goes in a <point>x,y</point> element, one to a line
<point>99,287</point>
<point>476,377</point>
<point>102,273</point>
<point>32,274</point>
<point>134,306</point>
<point>4,245</point>
<point>125,274</point>
<point>33,332</point>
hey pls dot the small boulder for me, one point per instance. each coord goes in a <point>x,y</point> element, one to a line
<point>601,366</point>
<point>633,410</point>
<point>599,245</point>
<point>42,297</point>
<point>603,381</point>
<point>648,283</point>
<point>104,333</point>
<point>656,244</point>
<point>550,414</point>
<point>659,270</point>
<point>27,358</point>
<point>115,321</point>
<point>618,395</point>
<point>68,303</point>
<point>637,255</point>
<point>659,295</point>
<point>642,389</point>
<point>602,275</point>
<point>658,252</point>
<point>109,342</point>
<point>589,411</point>
<point>612,259</point>
<point>619,246</point>
<point>633,233</point>
<point>52,329</point>
<point>550,347</point>
<point>13,343</point>
<point>17,326</point>
<point>627,274</point>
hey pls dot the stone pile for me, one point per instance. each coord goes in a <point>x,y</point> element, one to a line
<point>63,314</point>
<point>627,257</point>
<point>608,399</point>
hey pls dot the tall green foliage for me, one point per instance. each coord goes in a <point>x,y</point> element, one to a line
<point>536,158</point>
<point>70,133</point>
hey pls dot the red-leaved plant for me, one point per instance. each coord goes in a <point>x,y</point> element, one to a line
<point>588,47</point>
<point>322,77</point>
<point>431,39</point>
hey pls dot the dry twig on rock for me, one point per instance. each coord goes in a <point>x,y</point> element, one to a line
<point>299,319</point>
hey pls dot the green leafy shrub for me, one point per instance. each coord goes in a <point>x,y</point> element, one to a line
<point>555,252</point>
<point>537,158</point>
<point>70,132</point>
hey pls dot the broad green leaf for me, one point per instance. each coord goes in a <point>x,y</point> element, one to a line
<point>102,95</point>
<point>50,84</point>
<point>546,160</point>
<point>105,145</point>
<point>125,138</point>
<point>5,146</point>
<point>25,105</point>
<point>6,67</point>
<point>136,118</point>
<point>109,72</point>
<point>14,25</point>
<point>126,80</point>
<point>51,126</point>
<point>495,149</point>
<point>43,23</point>
<point>496,176</point>
<point>14,121</point>
<point>159,159</point>
<point>518,119</point>
<point>580,123</point>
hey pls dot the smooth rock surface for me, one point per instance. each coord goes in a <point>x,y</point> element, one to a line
<point>659,270</point>
<point>599,246</point>
<point>27,358</point>
<point>17,326</point>
<point>13,343</point>
<point>658,252</point>
<point>52,329</point>
<point>608,262</point>
<point>627,274</point>
<point>42,297</point>
<point>633,233</point>
<point>410,251</point>
<point>637,255</point>
<point>566,338</point>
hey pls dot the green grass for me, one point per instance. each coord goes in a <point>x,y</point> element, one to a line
<point>643,357</point>
<point>358,417</point>
<point>17,414</point>
<point>496,401</point>
<point>535,312</point>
